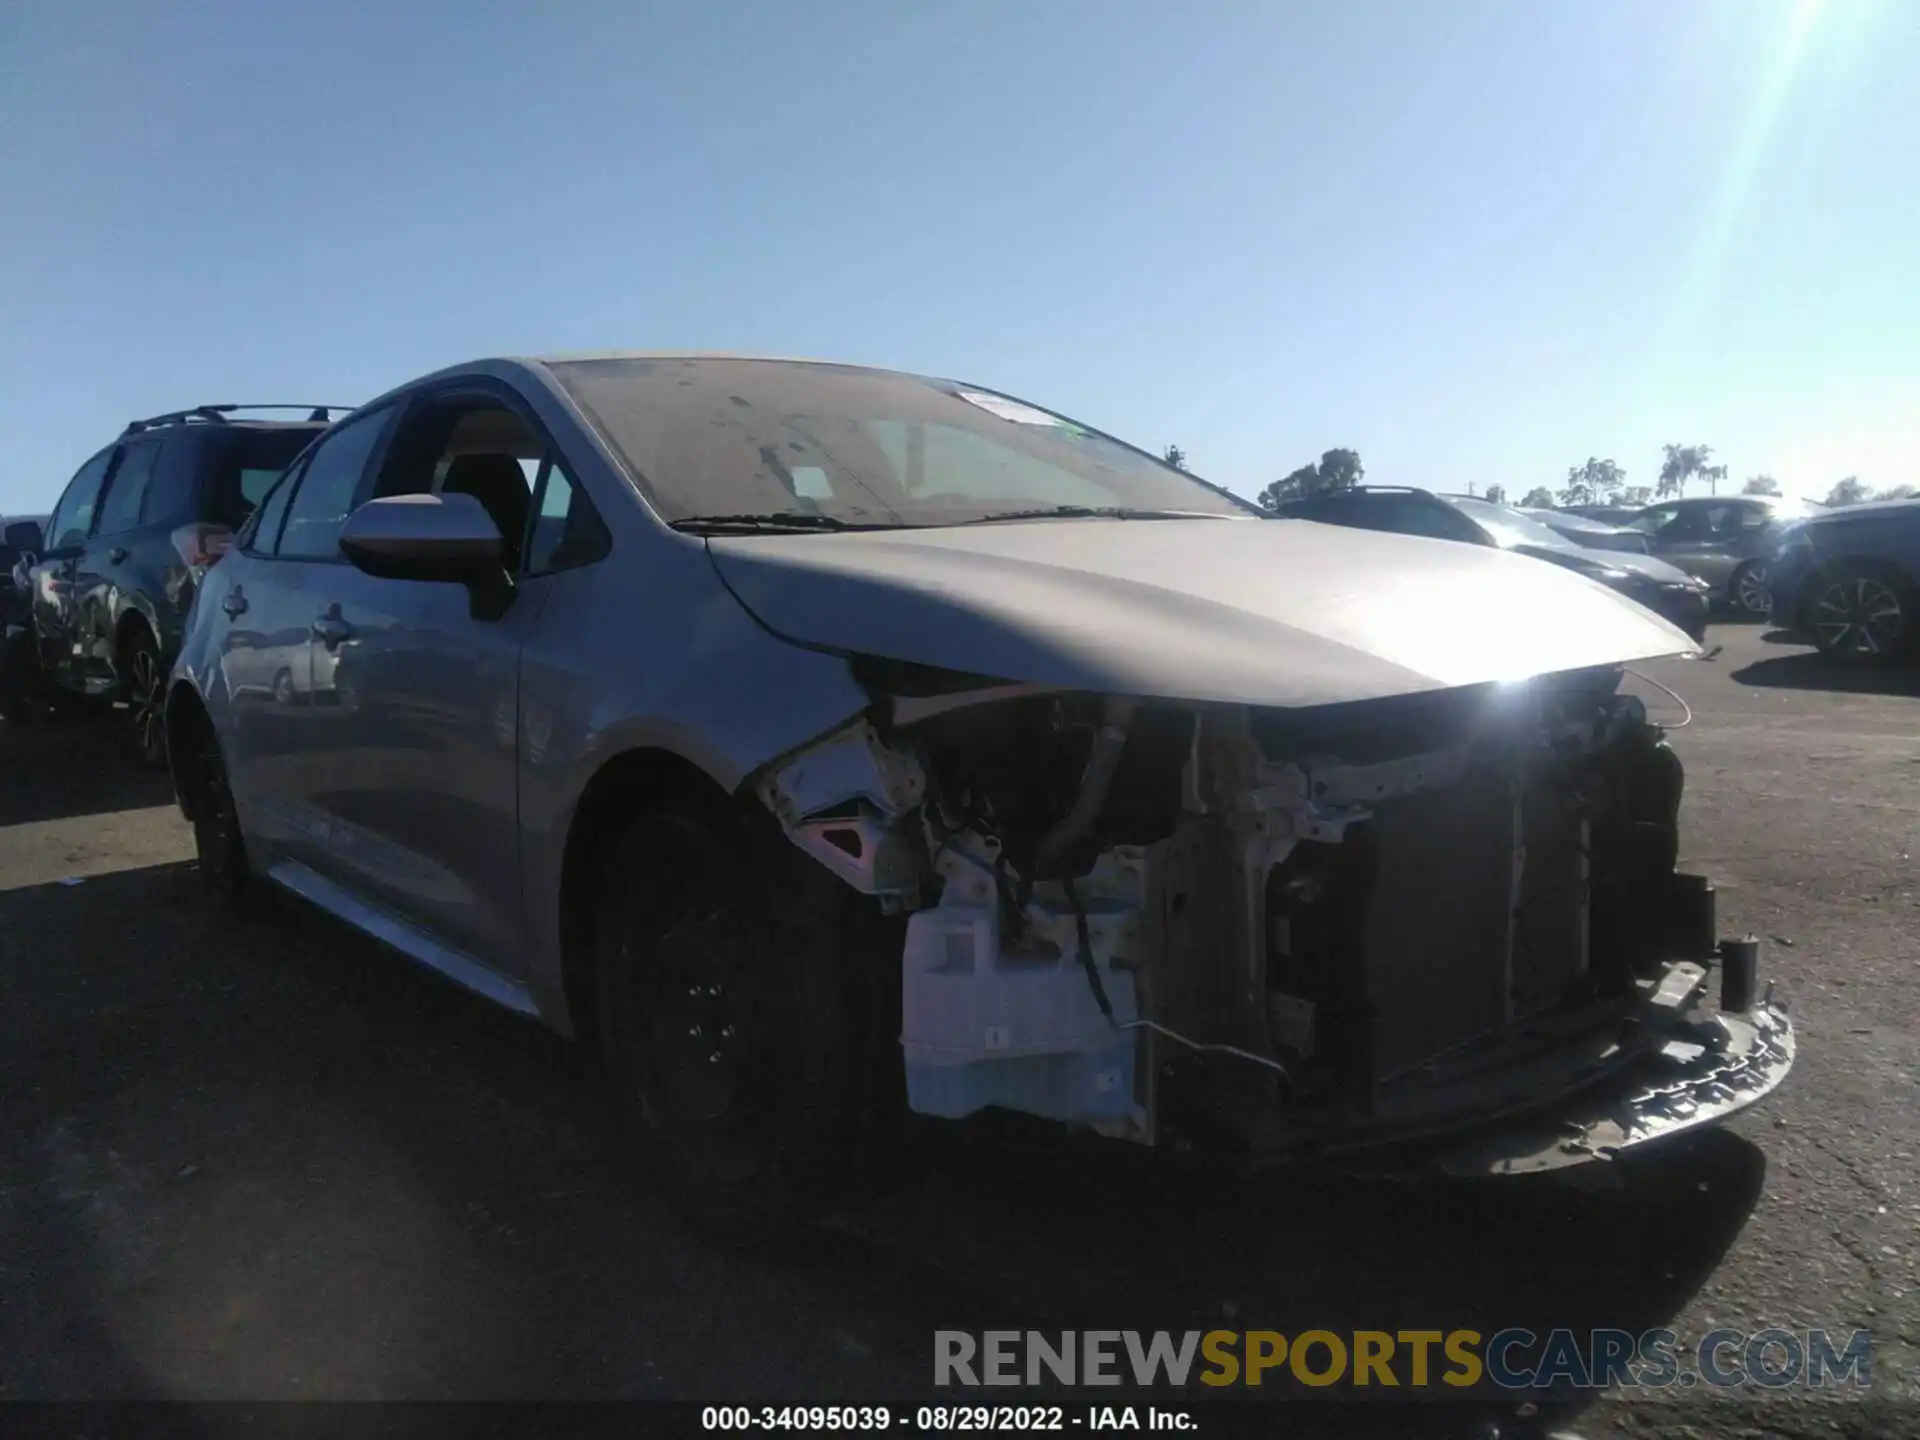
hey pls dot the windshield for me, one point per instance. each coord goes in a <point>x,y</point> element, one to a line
<point>1510,528</point>
<point>711,438</point>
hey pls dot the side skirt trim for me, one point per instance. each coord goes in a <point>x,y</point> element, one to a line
<point>409,939</point>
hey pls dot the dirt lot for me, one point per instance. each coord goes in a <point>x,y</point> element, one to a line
<point>270,1160</point>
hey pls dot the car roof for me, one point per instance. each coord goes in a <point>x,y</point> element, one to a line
<point>501,366</point>
<point>1865,507</point>
<point>1566,517</point>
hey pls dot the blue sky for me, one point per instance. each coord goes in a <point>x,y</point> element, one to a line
<point>1476,241</point>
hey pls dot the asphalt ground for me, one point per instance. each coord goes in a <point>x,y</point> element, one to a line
<point>266,1159</point>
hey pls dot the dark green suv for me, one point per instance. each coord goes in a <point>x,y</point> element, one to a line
<point>135,530</point>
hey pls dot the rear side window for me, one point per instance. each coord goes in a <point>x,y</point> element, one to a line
<point>327,488</point>
<point>72,518</point>
<point>1417,515</point>
<point>173,495</point>
<point>245,465</point>
<point>1691,522</point>
<point>261,534</point>
<point>1327,509</point>
<point>127,489</point>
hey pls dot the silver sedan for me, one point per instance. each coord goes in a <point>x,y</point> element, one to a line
<point>830,746</point>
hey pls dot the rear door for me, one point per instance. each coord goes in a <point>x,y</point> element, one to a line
<point>262,600</point>
<point>108,580</point>
<point>56,612</point>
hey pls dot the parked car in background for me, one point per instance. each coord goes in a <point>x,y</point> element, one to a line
<point>1669,593</point>
<point>1726,542</point>
<point>1849,578</point>
<point>1589,534</point>
<point>130,539</point>
<point>1605,514</point>
<point>21,537</point>
<point>826,744</point>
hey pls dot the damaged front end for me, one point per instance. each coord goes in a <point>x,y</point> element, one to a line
<point>1447,922</point>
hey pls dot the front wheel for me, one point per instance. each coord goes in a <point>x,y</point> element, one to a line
<point>146,694</point>
<point>735,1017</point>
<point>1860,612</point>
<point>1748,589</point>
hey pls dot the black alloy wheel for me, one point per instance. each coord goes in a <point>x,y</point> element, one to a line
<point>737,1020</point>
<point>1748,589</point>
<point>1856,613</point>
<point>146,695</point>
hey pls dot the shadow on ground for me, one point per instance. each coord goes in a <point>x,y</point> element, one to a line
<point>267,1158</point>
<point>1810,670</point>
<point>77,767</point>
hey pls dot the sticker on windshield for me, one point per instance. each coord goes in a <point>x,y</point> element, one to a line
<point>1012,410</point>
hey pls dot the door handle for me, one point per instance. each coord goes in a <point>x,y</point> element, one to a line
<point>331,630</point>
<point>235,604</point>
<point>117,554</point>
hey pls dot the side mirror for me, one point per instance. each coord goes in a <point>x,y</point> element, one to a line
<point>431,537</point>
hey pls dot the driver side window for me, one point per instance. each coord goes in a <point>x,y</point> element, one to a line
<point>1693,523</point>
<point>1653,521</point>
<point>479,445</point>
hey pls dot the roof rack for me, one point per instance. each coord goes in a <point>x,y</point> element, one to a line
<point>217,415</point>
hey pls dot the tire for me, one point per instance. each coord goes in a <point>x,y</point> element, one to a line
<point>737,1021</point>
<point>1747,590</point>
<point>145,691</point>
<point>218,844</point>
<point>1861,612</point>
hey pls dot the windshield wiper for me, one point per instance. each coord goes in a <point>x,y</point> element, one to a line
<point>1093,512</point>
<point>790,520</point>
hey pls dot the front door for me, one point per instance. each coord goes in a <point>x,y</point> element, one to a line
<point>1696,540</point>
<point>416,699</point>
<point>416,713</point>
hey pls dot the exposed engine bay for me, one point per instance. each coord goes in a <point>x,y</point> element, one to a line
<point>1264,930</point>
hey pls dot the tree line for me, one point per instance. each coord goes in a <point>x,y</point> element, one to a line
<point>1602,482</point>
<point>1597,482</point>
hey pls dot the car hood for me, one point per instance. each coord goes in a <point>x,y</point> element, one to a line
<point>1647,567</point>
<point>1281,613</point>
<point>1650,566</point>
